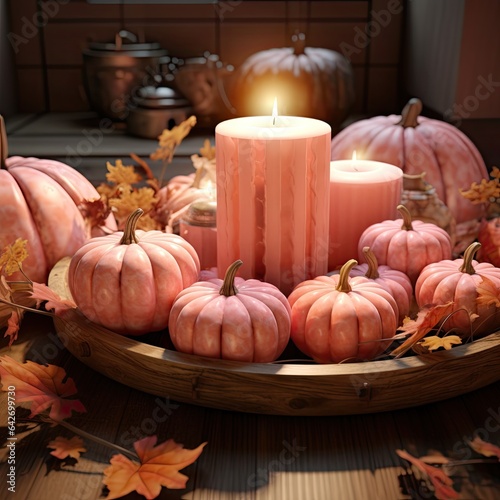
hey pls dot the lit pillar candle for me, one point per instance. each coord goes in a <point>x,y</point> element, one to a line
<point>273,197</point>
<point>362,193</point>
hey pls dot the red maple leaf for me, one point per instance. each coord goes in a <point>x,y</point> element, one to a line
<point>427,319</point>
<point>159,467</point>
<point>43,293</point>
<point>443,485</point>
<point>484,448</point>
<point>43,386</point>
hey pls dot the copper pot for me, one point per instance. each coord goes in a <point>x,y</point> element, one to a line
<point>113,72</point>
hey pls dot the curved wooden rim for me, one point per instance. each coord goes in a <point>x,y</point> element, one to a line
<point>277,388</point>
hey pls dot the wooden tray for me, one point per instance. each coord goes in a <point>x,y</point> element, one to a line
<point>279,389</point>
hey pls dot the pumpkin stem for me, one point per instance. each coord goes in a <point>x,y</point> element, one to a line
<point>405,213</point>
<point>129,231</point>
<point>469,255</point>
<point>4,148</point>
<point>410,113</point>
<point>299,43</point>
<point>227,289</point>
<point>343,284</point>
<point>372,272</point>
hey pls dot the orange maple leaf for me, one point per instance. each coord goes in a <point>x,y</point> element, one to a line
<point>122,174</point>
<point>159,467</point>
<point>488,293</point>
<point>484,448</point>
<point>443,485</point>
<point>44,386</point>
<point>43,293</point>
<point>63,447</point>
<point>427,319</point>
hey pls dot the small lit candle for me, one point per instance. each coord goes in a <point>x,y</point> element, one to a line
<point>362,193</point>
<point>272,197</point>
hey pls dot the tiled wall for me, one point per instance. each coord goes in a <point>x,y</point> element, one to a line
<point>49,57</point>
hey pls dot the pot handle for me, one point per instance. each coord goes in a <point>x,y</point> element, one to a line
<point>124,34</point>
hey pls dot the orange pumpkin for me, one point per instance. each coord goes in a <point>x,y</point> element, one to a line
<point>314,82</point>
<point>458,281</point>
<point>231,319</point>
<point>337,318</point>
<point>406,245</point>
<point>417,144</point>
<point>40,201</point>
<point>127,281</point>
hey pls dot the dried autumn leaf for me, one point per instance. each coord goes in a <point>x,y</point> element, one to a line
<point>170,139</point>
<point>63,447</point>
<point>95,212</point>
<point>129,201</point>
<point>159,466</point>
<point>487,293</point>
<point>207,151</point>
<point>443,485</point>
<point>11,316</point>
<point>13,325</point>
<point>13,256</point>
<point>42,293</point>
<point>484,448</point>
<point>44,386</point>
<point>427,318</point>
<point>434,342</point>
<point>122,174</point>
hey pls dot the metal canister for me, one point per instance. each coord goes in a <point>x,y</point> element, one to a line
<point>198,227</point>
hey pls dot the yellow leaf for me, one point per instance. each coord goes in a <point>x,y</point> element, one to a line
<point>121,174</point>
<point>130,200</point>
<point>434,342</point>
<point>488,293</point>
<point>170,139</point>
<point>208,151</point>
<point>12,256</point>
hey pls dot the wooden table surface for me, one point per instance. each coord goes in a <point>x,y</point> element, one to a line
<point>250,456</point>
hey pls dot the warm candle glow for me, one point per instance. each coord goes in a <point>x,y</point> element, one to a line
<point>275,110</point>
<point>354,155</point>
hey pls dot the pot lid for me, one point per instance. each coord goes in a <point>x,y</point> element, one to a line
<point>160,98</point>
<point>125,41</point>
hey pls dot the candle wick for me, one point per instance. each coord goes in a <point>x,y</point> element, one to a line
<point>274,120</point>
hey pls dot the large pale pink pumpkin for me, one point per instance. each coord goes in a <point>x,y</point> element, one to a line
<point>470,285</point>
<point>418,144</point>
<point>406,245</point>
<point>307,81</point>
<point>127,281</point>
<point>337,318</point>
<point>231,319</point>
<point>40,201</point>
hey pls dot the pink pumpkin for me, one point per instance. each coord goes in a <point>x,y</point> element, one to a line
<point>41,202</point>
<point>337,318</point>
<point>417,144</point>
<point>406,245</point>
<point>395,282</point>
<point>458,281</point>
<point>231,319</point>
<point>127,281</point>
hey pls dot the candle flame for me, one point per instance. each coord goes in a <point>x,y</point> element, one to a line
<point>354,155</point>
<point>275,110</point>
